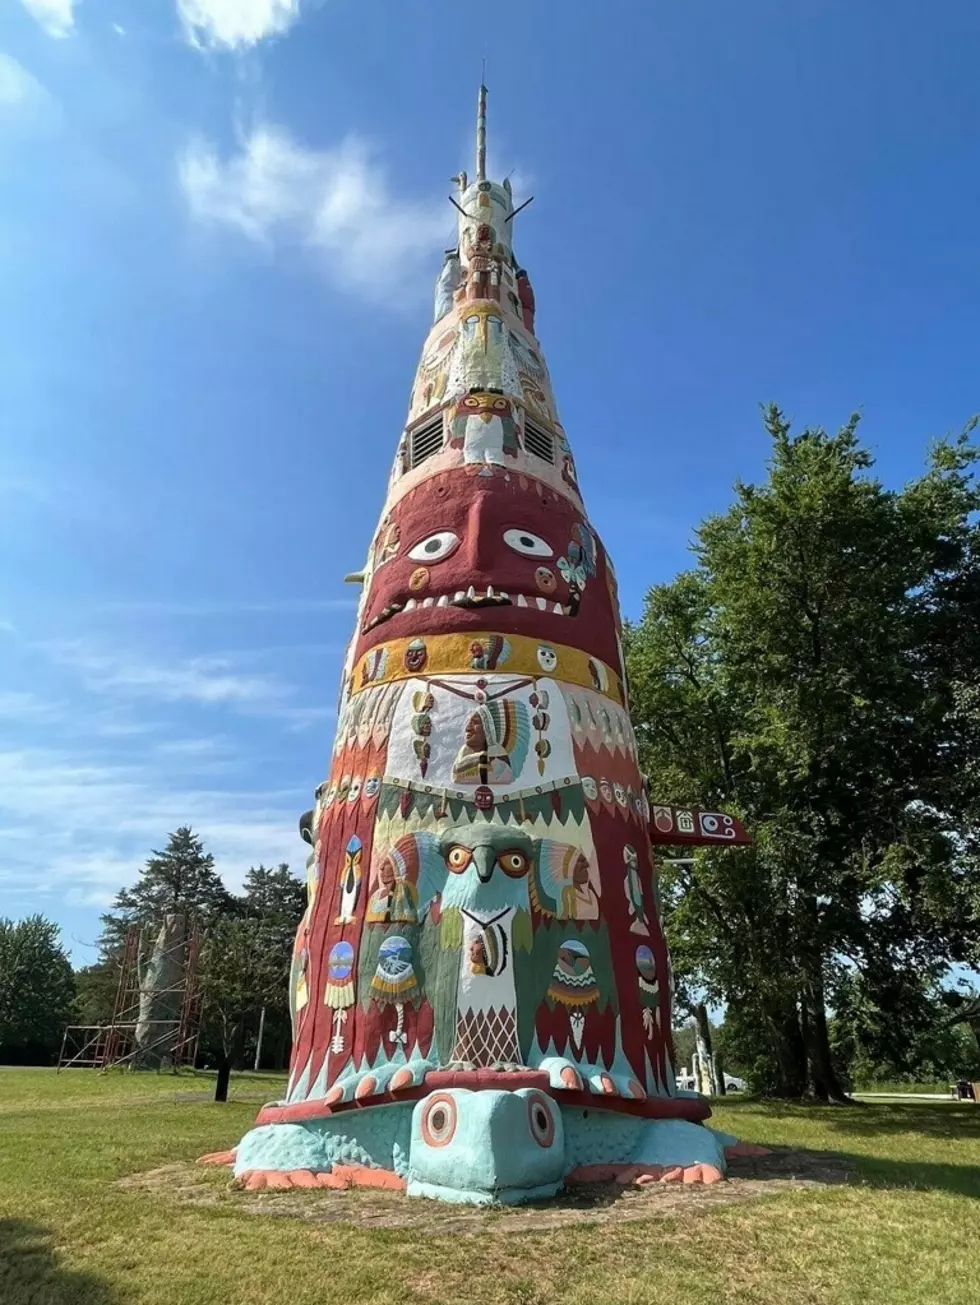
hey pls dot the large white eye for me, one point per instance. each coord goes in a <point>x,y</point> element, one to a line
<point>434,547</point>
<point>438,1119</point>
<point>540,1121</point>
<point>522,541</point>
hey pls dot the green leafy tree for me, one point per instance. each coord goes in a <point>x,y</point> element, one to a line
<point>95,992</point>
<point>802,675</point>
<point>277,899</point>
<point>181,880</point>
<point>243,968</point>
<point>36,991</point>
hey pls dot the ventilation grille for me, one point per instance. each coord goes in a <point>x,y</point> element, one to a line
<point>539,442</point>
<point>426,441</point>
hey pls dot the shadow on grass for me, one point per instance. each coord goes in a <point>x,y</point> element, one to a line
<point>942,1121</point>
<point>867,1119</point>
<point>30,1272</point>
<point>959,1180</point>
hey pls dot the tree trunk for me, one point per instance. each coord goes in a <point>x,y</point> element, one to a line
<point>826,1085</point>
<point>702,1033</point>
<point>720,1075</point>
<point>224,1075</point>
<point>161,995</point>
<point>789,1050</point>
<point>258,1040</point>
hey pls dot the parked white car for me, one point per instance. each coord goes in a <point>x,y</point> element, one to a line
<point>685,1081</point>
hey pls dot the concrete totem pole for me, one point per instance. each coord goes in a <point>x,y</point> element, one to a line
<point>481,989</point>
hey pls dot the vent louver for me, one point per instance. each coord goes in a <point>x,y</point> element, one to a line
<point>425,441</point>
<point>539,442</point>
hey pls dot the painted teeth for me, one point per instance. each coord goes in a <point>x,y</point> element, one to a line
<point>542,604</point>
<point>428,602</point>
<point>507,596</point>
<point>490,593</point>
<point>443,601</point>
<point>410,605</point>
<point>459,596</point>
<point>471,592</point>
<point>559,609</point>
<point>521,601</point>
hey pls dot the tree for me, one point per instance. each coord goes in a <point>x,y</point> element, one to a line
<point>36,991</point>
<point>243,969</point>
<point>278,899</point>
<point>802,675</point>
<point>275,895</point>
<point>95,993</point>
<point>177,889</point>
<point>181,880</point>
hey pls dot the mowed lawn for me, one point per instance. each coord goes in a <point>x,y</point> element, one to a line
<point>907,1229</point>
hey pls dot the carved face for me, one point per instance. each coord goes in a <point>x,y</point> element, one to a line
<point>475,735</point>
<point>500,552</point>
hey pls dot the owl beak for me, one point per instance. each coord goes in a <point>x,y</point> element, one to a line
<point>484,858</point>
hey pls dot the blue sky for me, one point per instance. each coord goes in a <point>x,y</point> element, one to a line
<point>221,220</point>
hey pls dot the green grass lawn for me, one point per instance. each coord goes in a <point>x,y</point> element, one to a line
<point>907,1229</point>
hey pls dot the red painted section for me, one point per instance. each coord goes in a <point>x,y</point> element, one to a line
<point>690,1108</point>
<point>479,511</point>
<point>694,828</point>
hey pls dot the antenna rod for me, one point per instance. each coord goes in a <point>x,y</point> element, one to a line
<point>517,210</point>
<point>481,135</point>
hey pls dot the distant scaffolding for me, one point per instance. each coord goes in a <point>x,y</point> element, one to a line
<point>157,1013</point>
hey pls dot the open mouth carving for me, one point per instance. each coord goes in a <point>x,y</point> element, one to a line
<point>470,599</point>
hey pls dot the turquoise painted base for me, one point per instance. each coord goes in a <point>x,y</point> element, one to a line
<point>480,1148</point>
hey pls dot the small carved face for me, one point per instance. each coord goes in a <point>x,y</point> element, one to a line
<point>416,655</point>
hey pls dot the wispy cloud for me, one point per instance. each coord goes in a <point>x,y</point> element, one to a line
<point>235,24</point>
<point>57,17</point>
<point>195,679</point>
<point>337,203</point>
<point>218,608</point>
<point>25,707</point>
<point>24,104</point>
<point>70,824</point>
<point>213,681</point>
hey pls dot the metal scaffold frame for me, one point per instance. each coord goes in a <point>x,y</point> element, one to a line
<point>104,1046</point>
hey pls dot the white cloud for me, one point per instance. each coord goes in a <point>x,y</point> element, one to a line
<point>195,679</point>
<point>217,608</point>
<point>55,16</point>
<point>25,707</point>
<point>336,202</point>
<point>233,24</point>
<point>85,825</point>
<point>24,102</point>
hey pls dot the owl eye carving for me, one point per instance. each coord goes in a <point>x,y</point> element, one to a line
<point>458,858</point>
<point>513,863</point>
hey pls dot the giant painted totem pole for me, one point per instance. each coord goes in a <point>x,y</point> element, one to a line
<point>481,989</point>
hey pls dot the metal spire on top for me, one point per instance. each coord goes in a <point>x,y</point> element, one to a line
<point>481,135</point>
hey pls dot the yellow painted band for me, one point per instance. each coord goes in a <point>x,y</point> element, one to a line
<point>450,654</point>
